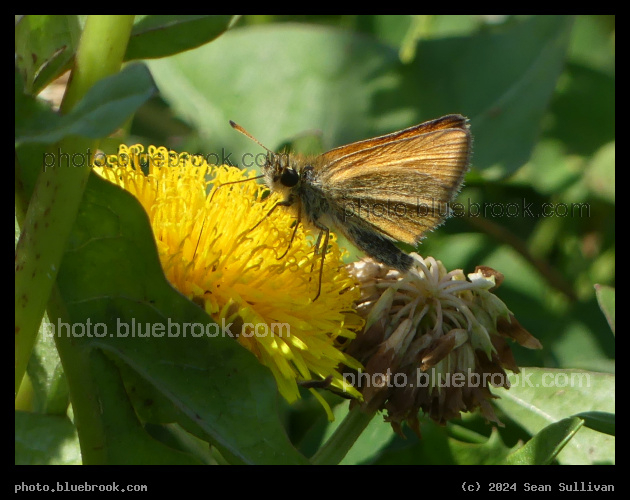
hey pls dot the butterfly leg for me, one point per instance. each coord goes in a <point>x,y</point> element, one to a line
<point>323,230</point>
<point>216,189</point>
<point>316,250</point>
<point>297,223</point>
<point>284,203</point>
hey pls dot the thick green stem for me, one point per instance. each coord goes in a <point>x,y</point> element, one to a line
<point>55,201</point>
<point>79,370</point>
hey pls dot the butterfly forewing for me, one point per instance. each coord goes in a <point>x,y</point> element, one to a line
<point>399,184</point>
<point>444,123</point>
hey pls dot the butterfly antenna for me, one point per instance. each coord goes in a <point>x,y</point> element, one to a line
<point>236,126</point>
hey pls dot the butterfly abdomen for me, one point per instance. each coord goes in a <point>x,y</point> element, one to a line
<point>377,246</point>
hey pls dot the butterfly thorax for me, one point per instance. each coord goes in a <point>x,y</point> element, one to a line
<point>294,179</point>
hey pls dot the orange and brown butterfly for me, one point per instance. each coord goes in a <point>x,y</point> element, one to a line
<point>395,187</point>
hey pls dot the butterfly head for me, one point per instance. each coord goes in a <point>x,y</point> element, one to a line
<point>281,171</point>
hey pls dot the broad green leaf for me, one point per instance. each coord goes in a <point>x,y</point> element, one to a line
<point>279,81</point>
<point>161,36</point>
<point>544,447</point>
<point>44,47</point>
<point>437,447</point>
<point>29,112</point>
<point>584,104</point>
<point>542,396</point>
<point>521,67</point>
<point>490,452</point>
<point>126,442</point>
<point>606,300</point>
<point>379,444</point>
<point>104,108</point>
<point>45,440</point>
<point>593,42</point>
<point>390,29</point>
<point>173,435</point>
<point>111,278</point>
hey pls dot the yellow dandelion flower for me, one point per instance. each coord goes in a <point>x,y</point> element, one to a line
<point>210,253</point>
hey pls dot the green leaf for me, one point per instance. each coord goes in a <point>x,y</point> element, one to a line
<point>390,29</point>
<point>378,444</point>
<point>491,452</point>
<point>438,446</point>
<point>601,172</point>
<point>29,112</point>
<point>584,109</point>
<point>524,64</point>
<point>353,87</point>
<point>606,300</point>
<point>126,442</point>
<point>111,280</point>
<point>545,446</point>
<point>542,396</point>
<point>46,374</point>
<point>104,108</point>
<point>161,36</point>
<point>44,47</point>
<point>45,440</point>
<point>599,421</point>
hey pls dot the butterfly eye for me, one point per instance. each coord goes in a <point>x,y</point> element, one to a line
<point>289,177</point>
